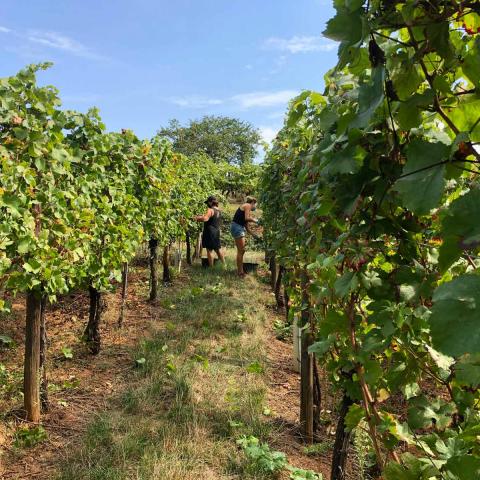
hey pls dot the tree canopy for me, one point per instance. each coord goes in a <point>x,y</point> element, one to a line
<point>223,139</point>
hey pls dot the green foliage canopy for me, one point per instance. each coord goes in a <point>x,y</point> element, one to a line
<point>223,139</point>
<point>369,200</point>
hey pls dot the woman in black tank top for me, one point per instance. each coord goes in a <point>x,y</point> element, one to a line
<point>239,228</point>
<point>239,217</point>
<point>211,230</point>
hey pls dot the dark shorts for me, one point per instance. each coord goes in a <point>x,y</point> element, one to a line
<point>237,230</point>
<point>211,238</point>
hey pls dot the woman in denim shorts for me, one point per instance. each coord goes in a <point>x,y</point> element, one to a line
<point>239,228</point>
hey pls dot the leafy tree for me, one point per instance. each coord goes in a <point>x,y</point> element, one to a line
<point>233,179</point>
<point>223,139</point>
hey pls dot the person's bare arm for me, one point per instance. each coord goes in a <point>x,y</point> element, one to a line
<point>205,217</point>
<point>248,215</point>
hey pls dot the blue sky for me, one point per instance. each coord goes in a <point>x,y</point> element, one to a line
<point>144,62</point>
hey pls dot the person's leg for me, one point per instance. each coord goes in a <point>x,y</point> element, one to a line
<point>240,243</point>
<point>220,255</point>
<point>210,257</point>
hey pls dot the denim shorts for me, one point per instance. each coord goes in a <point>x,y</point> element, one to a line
<point>237,230</point>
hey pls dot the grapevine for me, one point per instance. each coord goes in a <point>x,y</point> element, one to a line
<point>371,190</point>
<point>76,202</point>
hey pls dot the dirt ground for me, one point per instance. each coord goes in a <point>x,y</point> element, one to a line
<point>81,385</point>
<point>84,384</point>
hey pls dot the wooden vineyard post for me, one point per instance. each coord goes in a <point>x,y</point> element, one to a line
<point>153,260</point>
<point>92,331</point>
<point>306,387</point>
<point>194,253</point>
<point>33,332</point>
<point>342,442</point>
<point>273,270</point>
<point>124,293</point>
<point>167,278</point>
<point>178,257</point>
<point>317,396</point>
<point>189,248</point>
<point>309,382</point>
<point>43,357</point>
<point>31,374</point>
<point>278,287</point>
<point>198,248</point>
<point>286,299</point>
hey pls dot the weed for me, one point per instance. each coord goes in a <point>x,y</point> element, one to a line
<point>71,383</point>
<point>364,451</point>
<point>29,436</point>
<point>6,341</point>
<point>260,457</point>
<point>140,362</point>
<point>283,330</point>
<point>255,367</point>
<point>318,448</point>
<point>4,375</point>
<point>67,353</point>
<point>300,474</point>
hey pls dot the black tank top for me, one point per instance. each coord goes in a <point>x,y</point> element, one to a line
<point>214,220</point>
<point>239,217</point>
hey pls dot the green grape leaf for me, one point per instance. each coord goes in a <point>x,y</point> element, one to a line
<point>408,116</point>
<point>321,348</point>
<point>345,26</point>
<point>370,97</point>
<point>334,322</point>
<point>438,35</point>
<point>346,283</point>
<point>354,416</point>
<point>412,469</point>
<point>465,117</point>
<point>422,182</point>
<point>11,201</point>
<point>471,64</point>
<point>348,160</point>
<point>467,370</point>
<point>465,467</point>
<point>406,80</point>
<point>409,112</point>
<point>443,361</point>
<point>460,228</point>
<point>423,413</point>
<point>455,316</point>
<point>23,245</point>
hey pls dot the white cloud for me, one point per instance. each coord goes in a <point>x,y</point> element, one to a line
<point>268,134</point>
<point>299,44</point>
<point>249,66</point>
<point>264,99</point>
<point>28,41</point>
<point>244,101</point>
<point>59,41</point>
<point>195,101</point>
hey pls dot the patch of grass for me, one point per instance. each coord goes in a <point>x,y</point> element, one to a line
<point>318,449</point>
<point>192,395</point>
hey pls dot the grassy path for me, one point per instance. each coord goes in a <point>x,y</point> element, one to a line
<point>199,384</point>
<point>171,391</point>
